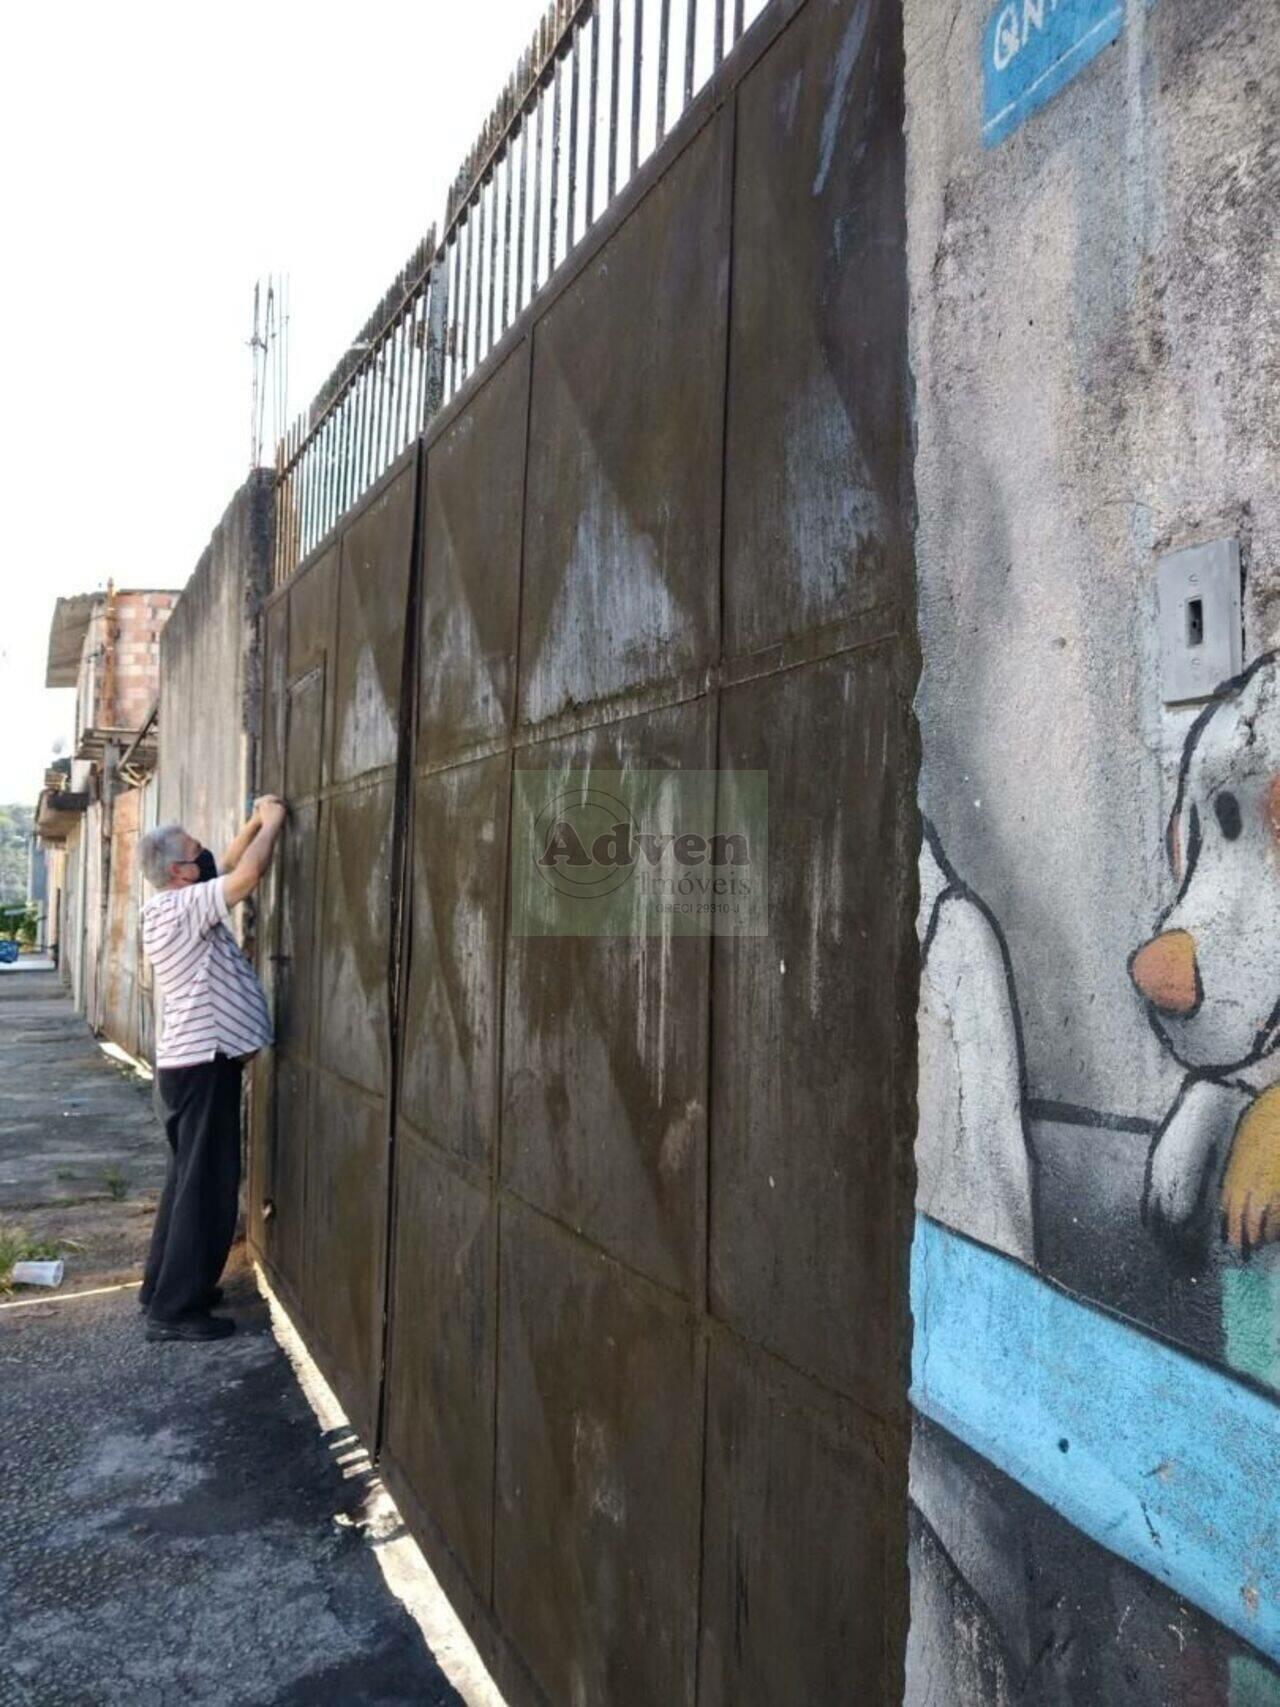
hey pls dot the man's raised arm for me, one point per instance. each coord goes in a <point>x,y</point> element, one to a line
<point>253,859</point>
<point>231,854</point>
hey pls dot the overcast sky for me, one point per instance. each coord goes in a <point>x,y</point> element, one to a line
<point>157,160</point>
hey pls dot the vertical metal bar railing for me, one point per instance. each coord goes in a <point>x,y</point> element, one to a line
<point>452,334</point>
<point>574,80</point>
<point>495,209</point>
<point>664,37</point>
<point>465,305</point>
<point>637,61</point>
<point>506,240</point>
<point>453,301</point>
<point>593,115</point>
<point>553,220</point>
<point>537,202</point>
<point>615,74</point>
<point>521,220</point>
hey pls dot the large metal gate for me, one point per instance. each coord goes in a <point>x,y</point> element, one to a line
<point>603,1240</point>
<point>335,655</point>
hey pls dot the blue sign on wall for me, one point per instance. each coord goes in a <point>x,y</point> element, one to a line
<point>1033,48</point>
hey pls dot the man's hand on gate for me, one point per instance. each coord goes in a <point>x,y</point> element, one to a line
<point>269,813</point>
<point>269,808</point>
<point>234,853</point>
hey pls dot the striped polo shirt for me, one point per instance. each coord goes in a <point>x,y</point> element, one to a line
<point>212,1001</point>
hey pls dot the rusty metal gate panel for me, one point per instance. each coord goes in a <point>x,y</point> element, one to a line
<point>299,643</point>
<point>602,1240</point>
<point>443,1300</point>
<point>348,1160</point>
<point>818,465</point>
<point>441,1369</point>
<point>782,1622</point>
<point>335,657</point>
<point>803,1032</point>
<point>264,1128</point>
<point>353,938</point>
<point>286,1186</point>
<point>286,925</point>
<point>303,770</point>
<point>374,583</point>
<point>623,527</point>
<point>599,1467</point>
<point>812,1043</point>
<point>605,1100</point>
<point>294,981</point>
<point>472,531</point>
<point>449,1085</point>
<point>275,664</point>
<point>346,1199</point>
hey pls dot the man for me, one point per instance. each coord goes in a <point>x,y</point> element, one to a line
<point>214,1020</point>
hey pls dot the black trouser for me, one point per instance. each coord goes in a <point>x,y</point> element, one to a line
<point>196,1220</point>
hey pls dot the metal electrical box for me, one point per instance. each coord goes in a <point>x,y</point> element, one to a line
<point>1201,629</point>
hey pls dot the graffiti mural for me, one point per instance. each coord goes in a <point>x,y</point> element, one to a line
<point>973,1155</point>
<point>1211,978</point>
<point>1096,1451</point>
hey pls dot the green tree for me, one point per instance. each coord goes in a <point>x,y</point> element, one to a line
<point>15,841</point>
<point>19,924</point>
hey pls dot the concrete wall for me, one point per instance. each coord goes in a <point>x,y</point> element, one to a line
<point>98,889</point>
<point>70,943</point>
<point>602,1234</point>
<point>1095,333</point>
<point>201,655</point>
<point>56,867</point>
<point>124,994</point>
<point>93,870</point>
<point>99,950</point>
<point>96,893</point>
<point>209,674</point>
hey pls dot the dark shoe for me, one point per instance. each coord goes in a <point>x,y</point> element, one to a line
<point>211,1301</point>
<point>196,1326</point>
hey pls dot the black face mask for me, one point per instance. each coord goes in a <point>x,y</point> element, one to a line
<point>206,865</point>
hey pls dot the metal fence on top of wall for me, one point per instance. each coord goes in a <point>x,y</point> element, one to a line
<point>599,87</point>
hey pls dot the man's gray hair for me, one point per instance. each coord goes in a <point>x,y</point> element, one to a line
<point>159,849</point>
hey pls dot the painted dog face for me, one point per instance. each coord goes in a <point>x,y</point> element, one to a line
<point>1211,976</point>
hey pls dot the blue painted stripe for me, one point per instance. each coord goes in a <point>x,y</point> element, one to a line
<point>1164,1460</point>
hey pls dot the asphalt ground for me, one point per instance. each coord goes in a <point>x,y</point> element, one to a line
<point>175,1524</point>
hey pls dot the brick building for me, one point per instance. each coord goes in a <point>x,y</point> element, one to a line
<point>107,646</point>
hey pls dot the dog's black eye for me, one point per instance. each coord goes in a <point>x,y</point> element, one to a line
<point>1228,809</point>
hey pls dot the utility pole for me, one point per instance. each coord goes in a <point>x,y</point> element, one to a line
<point>269,353</point>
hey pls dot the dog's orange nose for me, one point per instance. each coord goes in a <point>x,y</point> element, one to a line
<point>1165,970</point>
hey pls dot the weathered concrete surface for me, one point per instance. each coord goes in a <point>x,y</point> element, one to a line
<point>124,973</point>
<point>173,1525</point>
<point>1094,319</point>
<point>1094,326</point>
<point>96,884</point>
<point>81,1156</point>
<point>210,673</point>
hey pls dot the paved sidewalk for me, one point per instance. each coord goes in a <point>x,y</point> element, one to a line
<point>81,1157</point>
<point>173,1525</point>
